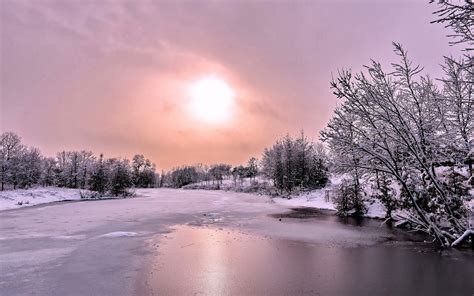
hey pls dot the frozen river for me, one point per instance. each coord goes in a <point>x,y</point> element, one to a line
<point>173,242</point>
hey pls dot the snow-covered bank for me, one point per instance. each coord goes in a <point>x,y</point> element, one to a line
<point>318,199</point>
<point>323,199</point>
<point>13,199</point>
<point>313,199</point>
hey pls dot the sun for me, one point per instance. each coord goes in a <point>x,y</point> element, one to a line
<point>212,100</point>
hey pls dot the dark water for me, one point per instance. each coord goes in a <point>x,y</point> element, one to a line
<point>221,261</point>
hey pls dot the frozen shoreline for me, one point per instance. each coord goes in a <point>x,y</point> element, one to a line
<point>23,198</point>
<point>20,198</point>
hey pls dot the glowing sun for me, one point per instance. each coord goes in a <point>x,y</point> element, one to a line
<point>211,100</point>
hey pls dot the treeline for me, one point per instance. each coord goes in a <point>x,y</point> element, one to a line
<point>24,167</point>
<point>400,129</point>
<point>211,175</point>
<point>251,170</point>
<point>291,164</point>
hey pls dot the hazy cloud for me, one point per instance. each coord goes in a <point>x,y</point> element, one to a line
<point>111,75</point>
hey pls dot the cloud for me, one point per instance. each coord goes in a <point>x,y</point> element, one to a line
<point>110,75</point>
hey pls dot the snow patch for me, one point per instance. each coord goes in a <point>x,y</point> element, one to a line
<point>70,237</point>
<point>120,234</point>
<point>375,209</point>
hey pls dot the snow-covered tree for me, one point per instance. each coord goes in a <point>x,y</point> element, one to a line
<point>458,99</point>
<point>239,173</point>
<point>22,167</point>
<point>29,167</point>
<point>120,176</point>
<point>384,192</point>
<point>294,163</point>
<point>182,176</point>
<point>48,165</point>
<point>457,15</point>
<point>73,168</point>
<point>219,171</point>
<point>86,162</point>
<point>60,170</point>
<point>10,151</point>
<point>391,123</point>
<point>143,171</point>
<point>348,199</point>
<point>252,168</point>
<point>98,179</point>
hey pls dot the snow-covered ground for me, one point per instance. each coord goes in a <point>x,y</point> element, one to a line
<point>12,199</point>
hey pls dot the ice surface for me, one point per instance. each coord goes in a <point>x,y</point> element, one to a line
<point>104,247</point>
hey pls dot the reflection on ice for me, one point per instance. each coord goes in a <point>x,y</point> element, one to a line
<point>209,261</point>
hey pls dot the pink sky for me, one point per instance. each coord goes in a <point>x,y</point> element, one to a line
<point>110,76</point>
